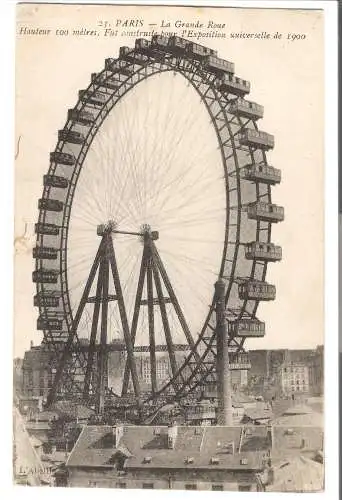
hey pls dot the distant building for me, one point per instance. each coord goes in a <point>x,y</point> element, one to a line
<point>294,378</point>
<point>37,372</point>
<point>316,372</point>
<point>273,371</point>
<point>39,362</point>
<point>17,376</point>
<point>163,368</point>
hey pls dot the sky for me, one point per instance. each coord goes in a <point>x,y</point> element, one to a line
<point>286,78</point>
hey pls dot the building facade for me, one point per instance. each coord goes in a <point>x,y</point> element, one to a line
<point>37,372</point>
<point>294,378</point>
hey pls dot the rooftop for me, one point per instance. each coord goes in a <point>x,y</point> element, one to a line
<point>147,447</point>
<point>171,459</point>
<point>296,440</point>
<point>300,415</point>
<point>95,447</point>
<point>73,410</point>
<point>298,475</point>
<point>258,413</point>
<point>300,409</point>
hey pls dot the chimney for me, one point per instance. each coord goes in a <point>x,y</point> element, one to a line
<point>172,436</point>
<point>270,475</point>
<point>118,432</point>
<point>270,437</point>
<point>31,344</point>
<point>40,403</point>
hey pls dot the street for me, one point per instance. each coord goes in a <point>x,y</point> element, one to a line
<point>27,462</point>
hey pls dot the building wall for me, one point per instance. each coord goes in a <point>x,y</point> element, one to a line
<point>178,480</point>
<point>316,372</point>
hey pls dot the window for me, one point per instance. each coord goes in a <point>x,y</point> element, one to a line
<point>148,486</point>
<point>244,487</point>
<point>121,485</point>
<point>191,487</point>
<point>217,487</point>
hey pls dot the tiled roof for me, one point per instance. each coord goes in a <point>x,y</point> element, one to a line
<point>258,413</point>
<point>298,475</point>
<point>288,441</point>
<point>173,459</point>
<point>300,409</point>
<point>35,441</point>
<point>94,447</point>
<point>216,438</point>
<point>148,447</point>
<point>139,437</point>
<point>242,398</point>
<point>311,420</point>
<point>279,406</point>
<point>55,457</point>
<point>73,410</point>
<point>47,416</point>
<point>256,438</point>
<point>37,426</point>
<point>189,438</point>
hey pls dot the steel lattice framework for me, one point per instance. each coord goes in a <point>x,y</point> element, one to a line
<point>249,218</point>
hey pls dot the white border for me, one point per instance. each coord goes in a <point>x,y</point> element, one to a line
<point>7,34</point>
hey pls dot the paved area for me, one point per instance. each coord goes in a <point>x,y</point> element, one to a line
<point>27,464</point>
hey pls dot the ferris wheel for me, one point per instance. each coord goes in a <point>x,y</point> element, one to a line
<point>158,186</point>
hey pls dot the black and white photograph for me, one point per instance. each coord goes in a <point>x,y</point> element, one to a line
<point>169,304</point>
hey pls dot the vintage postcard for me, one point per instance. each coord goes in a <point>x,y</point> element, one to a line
<point>169,248</point>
